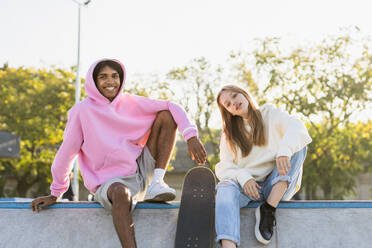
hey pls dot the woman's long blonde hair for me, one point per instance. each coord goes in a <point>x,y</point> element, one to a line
<point>233,126</point>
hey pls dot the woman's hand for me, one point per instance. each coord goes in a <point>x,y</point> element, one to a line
<point>41,202</point>
<point>250,188</point>
<point>283,165</point>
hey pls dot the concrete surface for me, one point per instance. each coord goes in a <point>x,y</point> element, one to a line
<point>300,224</point>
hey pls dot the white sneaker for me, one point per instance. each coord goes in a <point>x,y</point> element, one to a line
<point>159,192</point>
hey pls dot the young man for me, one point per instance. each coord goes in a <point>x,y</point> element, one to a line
<point>122,142</point>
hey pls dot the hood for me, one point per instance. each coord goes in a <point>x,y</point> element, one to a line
<point>91,88</point>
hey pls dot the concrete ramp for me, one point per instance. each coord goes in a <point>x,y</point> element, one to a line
<point>299,224</point>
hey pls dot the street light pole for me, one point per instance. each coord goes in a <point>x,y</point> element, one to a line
<point>75,185</point>
<point>77,85</point>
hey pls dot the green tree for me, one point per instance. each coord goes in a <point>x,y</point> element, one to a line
<point>335,161</point>
<point>196,85</point>
<point>34,105</point>
<point>326,84</point>
<point>151,86</point>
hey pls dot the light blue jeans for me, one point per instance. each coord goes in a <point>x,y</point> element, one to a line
<point>231,197</point>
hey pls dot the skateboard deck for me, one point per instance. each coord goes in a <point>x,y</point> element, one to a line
<point>195,225</point>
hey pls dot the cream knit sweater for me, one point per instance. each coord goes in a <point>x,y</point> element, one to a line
<point>285,135</point>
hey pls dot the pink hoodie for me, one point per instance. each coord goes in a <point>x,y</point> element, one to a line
<point>109,136</point>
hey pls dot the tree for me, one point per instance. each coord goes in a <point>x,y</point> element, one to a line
<point>34,105</point>
<point>197,85</point>
<point>336,160</point>
<point>151,86</point>
<point>326,84</point>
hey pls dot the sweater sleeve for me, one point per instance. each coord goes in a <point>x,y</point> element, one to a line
<point>227,169</point>
<point>294,135</point>
<point>69,149</point>
<point>152,106</point>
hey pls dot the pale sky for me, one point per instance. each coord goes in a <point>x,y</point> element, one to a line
<point>156,36</point>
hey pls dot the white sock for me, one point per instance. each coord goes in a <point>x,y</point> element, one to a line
<point>158,175</point>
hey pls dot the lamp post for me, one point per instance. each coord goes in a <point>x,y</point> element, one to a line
<point>75,184</point>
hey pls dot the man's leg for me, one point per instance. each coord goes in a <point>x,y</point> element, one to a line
<point>160,145</point>
<point>120,197</point>
<point>162,139</point>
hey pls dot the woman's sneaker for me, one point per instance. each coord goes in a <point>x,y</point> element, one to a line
<point>265,221</point>
<point>160,192</point>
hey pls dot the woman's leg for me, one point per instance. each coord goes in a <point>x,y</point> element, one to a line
<point>229,200</point>
<point>277,193</point>
<point>277,187</point>
<point>226,243</point>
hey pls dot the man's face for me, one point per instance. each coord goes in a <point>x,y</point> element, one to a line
<point>108,82</point>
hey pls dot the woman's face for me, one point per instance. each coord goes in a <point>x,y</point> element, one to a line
<point>108,82</point>
<point>235,103</point>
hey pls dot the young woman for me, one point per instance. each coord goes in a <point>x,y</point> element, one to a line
<point>261,155</point>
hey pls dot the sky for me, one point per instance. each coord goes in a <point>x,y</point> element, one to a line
<point>157,36</point>
<point>153,37</point>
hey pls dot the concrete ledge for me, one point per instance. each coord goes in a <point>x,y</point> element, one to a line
<point>16,204</point>
<point>86,224</point>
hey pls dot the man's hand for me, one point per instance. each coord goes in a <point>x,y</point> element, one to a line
<point>196,150</point>
<point>283,165</point>
<point>41,202</point>
<point>250,189</point>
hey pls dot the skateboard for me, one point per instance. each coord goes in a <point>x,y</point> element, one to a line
<point>195,225</point>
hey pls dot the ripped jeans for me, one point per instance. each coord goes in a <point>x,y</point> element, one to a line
<point>231,197</point>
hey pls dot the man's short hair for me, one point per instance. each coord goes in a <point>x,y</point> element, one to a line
<point>113,65</point>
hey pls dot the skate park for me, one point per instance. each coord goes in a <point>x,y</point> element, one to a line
<point>308,60</point>
<point>86,224</point>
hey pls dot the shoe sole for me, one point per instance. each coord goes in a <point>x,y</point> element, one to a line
<point>162,198</point>
<point>257,228</point>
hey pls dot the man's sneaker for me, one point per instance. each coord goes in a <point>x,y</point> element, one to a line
<point>265,221</point>
<point>160,192</point>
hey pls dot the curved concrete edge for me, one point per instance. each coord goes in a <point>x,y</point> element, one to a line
<point>304,224</point>
<point>16,199</point>
<point>26,205</point>
<point>175,205</point>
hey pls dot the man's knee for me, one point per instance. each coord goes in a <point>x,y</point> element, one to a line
<point>118,193</point>
<point>166,118</point>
